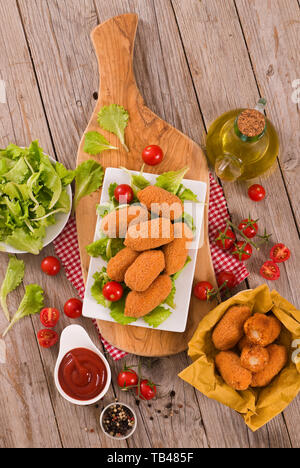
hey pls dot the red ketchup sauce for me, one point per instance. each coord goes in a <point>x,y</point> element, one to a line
<point>82,374</point>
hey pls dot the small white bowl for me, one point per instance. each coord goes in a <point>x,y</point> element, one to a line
<point>130,432</point>
<point>74,336</point>
<point>53,231</point>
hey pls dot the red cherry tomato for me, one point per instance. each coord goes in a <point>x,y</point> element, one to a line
<point>152,155</point>
<point>249,227</point>
<point>256,192</point>
<point>147,390</point>
<point>225,239</point>
<point>280,253</point>
<point>123,194</point>
<point>73,308</point>
<point>127,378</point>
<point>228,277</point>
<point>112,291</point>
<point>201,289</point>
<point>242,251</point>
<point>50,266</point>
<point>47,338</point>
<point>49,317</point>
<point>270,271</point>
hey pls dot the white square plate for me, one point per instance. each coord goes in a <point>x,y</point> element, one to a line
<point>177,320</point>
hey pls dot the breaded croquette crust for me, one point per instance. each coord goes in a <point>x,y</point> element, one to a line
<point>119,264</point>
<point>277,360</point>
<point>176,252</point>
<point>115,223</point>
<point>244,342</point>
<point>141,274</point>
<point>161,202</point>
<point>229,330</point>
<point>139,304</point>
<point>262,329</point>
<point>229,366</point>
<point>149,234</point>
<point>254,358</point>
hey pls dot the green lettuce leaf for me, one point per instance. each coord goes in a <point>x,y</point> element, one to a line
<point>157,316</point>
<point>18,173</point>
<point>51,180</point>
<point>186,194</point>
<point>13,278</point>
<point>28,242</point>
<point>95,143</point>
<point>105,248</point>
<point>32,303</point>
<point>137,181</point>
<point>171,181</point>
<point>114,119</point>
<point>170,299</point>
<point>101,278</point>
<point>88,178</point>
<point>117,312</point>
<point>66,176</point>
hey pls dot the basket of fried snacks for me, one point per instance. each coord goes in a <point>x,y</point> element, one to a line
<point>246,355</point>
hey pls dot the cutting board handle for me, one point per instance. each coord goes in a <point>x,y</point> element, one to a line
<point>113,41</point>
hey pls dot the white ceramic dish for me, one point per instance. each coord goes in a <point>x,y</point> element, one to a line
<point>177,320</point>
<point>130,432</point>
<point>52,232</point>
<point>74,336</point>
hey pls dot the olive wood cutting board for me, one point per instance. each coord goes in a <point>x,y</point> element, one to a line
<point>114,43</point>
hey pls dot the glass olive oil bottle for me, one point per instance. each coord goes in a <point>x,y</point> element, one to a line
<point>242,143</point>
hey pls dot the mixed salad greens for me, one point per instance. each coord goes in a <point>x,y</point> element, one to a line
<point>106,247</point>
<point>33,191</point>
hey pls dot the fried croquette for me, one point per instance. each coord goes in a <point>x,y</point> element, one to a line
<point>244,342</point>
<point>229,330</point>
<point>262,329</point>
<point>115,223</point>
<point>119,264</point>
<point>149,234</point>
<point>254,358</point>
<point>139,304</point>
<point>277,360</point>
<point>229,366</point>
<point>161,202</point>
<point>143,271</point>
<point>176,252</point>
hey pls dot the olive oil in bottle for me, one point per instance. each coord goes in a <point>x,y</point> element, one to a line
<point>242,143</point>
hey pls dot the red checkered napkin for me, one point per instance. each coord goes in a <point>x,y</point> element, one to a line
<point>67,249</point>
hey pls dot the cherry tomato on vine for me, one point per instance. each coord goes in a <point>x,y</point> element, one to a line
<point>280,253</point>
<point>228,277</point>
<point>152,155</point>
<point>248,227</point>
<point>123,194</point>
<point>225,239</point>
<point>147,390</point>
<point>73,308</point>
<point>112,291</point>
<point>242,251</point>
<point>49,317</point>
<point>50,266</point>
<point>201,290</point>
<point>47,338</point>
<point>127,378</point>
<point>256,192</point>
<point>270,271</point>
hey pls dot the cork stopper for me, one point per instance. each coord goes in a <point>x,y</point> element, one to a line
<point>251,123</point>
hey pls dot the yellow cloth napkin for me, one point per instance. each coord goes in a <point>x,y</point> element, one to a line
<point>257,406</point>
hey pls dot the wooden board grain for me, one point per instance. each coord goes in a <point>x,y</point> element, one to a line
<point>113,42</point>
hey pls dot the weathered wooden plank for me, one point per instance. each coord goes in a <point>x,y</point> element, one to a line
<point>23,389</point>
<point>217,54</point>
<point>272,31</point>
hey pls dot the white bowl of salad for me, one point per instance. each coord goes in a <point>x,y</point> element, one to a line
<point>35,198</point>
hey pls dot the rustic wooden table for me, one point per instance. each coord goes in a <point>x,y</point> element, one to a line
<point>193,60</point>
